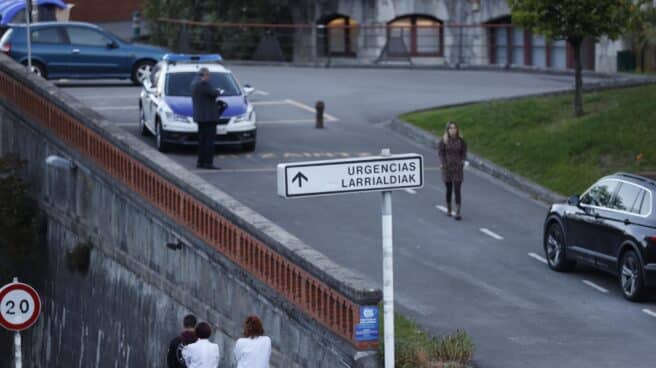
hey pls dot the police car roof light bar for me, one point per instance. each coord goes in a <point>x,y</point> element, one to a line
<point>193,59</point>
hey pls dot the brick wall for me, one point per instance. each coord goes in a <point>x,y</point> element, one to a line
<point>104,10</point>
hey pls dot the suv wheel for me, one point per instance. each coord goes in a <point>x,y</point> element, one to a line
<point>554,249</point>
<point>631,277</point>
<point>140,70</point>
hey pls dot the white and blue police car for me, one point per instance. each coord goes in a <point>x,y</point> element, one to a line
<point>165,106</point>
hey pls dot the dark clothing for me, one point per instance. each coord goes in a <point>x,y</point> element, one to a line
<point>206,135</point>
<point>206,115</point>
<point>203,97</point>
<point>174,357</point>
<point>450,186</point>
<point>452,157</point>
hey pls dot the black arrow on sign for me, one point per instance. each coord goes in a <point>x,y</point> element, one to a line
<point>300,177</point>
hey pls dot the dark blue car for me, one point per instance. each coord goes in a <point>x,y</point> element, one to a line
<point>79,51</point>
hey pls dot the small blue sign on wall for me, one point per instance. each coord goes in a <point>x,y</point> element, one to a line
<point>367,329</point>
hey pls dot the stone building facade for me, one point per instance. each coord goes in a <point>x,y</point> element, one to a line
<point>443,32</point>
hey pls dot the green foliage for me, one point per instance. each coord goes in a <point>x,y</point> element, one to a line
<point>415,348</point>
<point>642,31</point>
<point>573,19</point>
<point>539,139</point>
<point>231,41</point>
<point>17,209</point>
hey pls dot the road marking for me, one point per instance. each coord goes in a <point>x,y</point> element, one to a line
<point>265,103</point>
<point>254,170</point>
<point>595,286</point>
<point>299,121</point>
<point>311,109</point>
<point>108,108</point>
<point>491,233</point>
<point>127,124</point>
<point>411,191</point>
<point>86,97</point>
<point>649,312</point>
<point>538,257</point>
<point>441,208</point>
<point>260,92</point>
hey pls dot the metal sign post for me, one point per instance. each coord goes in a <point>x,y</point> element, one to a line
<point>28,6</point>
<point>388,274</point>
<point>17,350</point>
<point>383,173</point>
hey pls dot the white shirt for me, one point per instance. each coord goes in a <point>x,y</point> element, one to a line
<point>201,354</point>
<point>253,353</point>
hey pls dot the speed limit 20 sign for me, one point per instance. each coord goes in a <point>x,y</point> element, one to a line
<point>19,306</point>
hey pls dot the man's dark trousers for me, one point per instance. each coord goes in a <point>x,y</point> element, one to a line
<point>206,136</point>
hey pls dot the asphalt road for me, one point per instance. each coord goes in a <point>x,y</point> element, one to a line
<point>485,275</point>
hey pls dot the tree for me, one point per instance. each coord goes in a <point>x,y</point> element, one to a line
<point>573,21</point>
<point>642,31</point>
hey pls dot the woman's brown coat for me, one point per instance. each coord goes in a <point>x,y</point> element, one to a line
<point>452,157</point>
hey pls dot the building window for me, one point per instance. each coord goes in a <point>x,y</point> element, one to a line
<point>539,51</point>
<point>339,37</point>
<point>558,54</point>
<point>420,35</point>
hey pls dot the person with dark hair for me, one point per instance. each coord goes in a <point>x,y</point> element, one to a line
<point>202,353</point>
<point>174,357</point>
<point>206,114</point>
<point>452,151</point>
<point>254,349</point>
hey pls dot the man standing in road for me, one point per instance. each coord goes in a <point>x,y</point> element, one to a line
<point>206,114</point>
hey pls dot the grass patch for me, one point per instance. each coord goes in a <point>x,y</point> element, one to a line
<point>416,349</point>
<point>541,140</point>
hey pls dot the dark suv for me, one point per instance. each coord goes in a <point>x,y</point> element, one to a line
<point>612,226</point>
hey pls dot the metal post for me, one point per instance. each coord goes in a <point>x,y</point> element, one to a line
<point>17,347</point>
<point>28,5</point>
<point>17,343</point>
<point>388,274</point>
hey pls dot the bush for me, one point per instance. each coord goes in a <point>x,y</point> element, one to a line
<point>17,209</point>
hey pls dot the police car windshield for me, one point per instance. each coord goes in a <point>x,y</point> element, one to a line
<point>179,84</point>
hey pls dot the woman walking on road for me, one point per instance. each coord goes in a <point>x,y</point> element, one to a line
<point>452,150</point>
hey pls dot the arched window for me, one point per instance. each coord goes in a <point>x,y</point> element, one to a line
<point>339,37</point>
<point>421,35</point>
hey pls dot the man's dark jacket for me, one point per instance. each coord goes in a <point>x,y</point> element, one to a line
<point>174,356</point>
<point>203,96</point>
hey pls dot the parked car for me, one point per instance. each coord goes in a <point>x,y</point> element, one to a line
<point>165,106</point>
<point>612,227</point>
<point>79,51</point>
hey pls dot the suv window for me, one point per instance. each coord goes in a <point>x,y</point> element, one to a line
<point>599,195</point>
<point>86,36</point>
<point>626,198</point>
<point>179,84</point>
<point>47,35</point>
<point>643,204</point>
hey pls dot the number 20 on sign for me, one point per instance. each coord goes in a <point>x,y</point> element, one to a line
<point>20,306</point>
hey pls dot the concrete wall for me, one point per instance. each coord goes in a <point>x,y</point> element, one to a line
<point>123,312</point>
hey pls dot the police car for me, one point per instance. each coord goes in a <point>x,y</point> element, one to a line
<point>165,106</point>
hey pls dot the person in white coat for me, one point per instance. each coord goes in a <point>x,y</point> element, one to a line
<point>202,353</point>
<point>254,349</point>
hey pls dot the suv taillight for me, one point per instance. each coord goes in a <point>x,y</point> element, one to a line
<point>652,239</point>
<point>6,48</point>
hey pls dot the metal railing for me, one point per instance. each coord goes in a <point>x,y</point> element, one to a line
<point>314,297</point>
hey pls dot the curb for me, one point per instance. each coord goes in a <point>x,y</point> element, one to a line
<point>428,140</point>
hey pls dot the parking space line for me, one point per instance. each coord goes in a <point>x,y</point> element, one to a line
<point>411,191</point>
<point>538,257</point>
<point>491,233</point>
<point>92,97</point>
<point>595,286</point>
<point>441,208</point>
<point>300,121</point>
<point>260,92</point>
<point>265,103</point>
<point>108,108</point>
<point>649,312</point>
<point>311,109</point>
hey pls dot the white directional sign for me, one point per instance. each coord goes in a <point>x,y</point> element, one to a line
<point>379,173</point>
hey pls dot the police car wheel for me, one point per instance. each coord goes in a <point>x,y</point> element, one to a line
<point>159,139</point>
<point>142,122</point>
<point>249,147</point>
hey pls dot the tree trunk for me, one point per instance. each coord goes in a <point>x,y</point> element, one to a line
<point>578,84</point>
